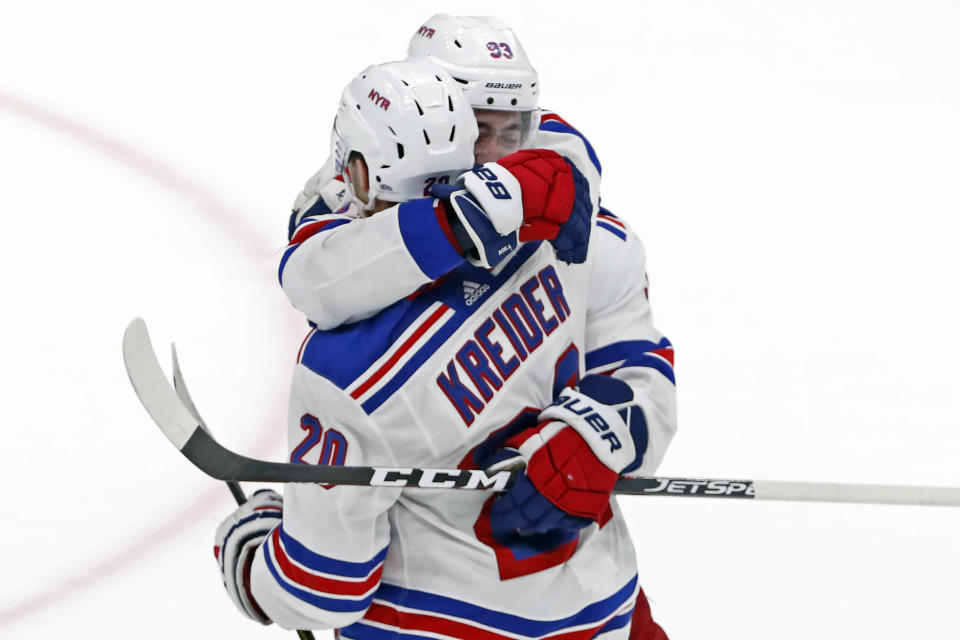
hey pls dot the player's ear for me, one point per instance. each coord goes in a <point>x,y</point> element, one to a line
<point>359,176</point>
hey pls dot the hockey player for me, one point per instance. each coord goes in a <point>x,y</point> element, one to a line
<point>489,64</point>
<point>442,342</point>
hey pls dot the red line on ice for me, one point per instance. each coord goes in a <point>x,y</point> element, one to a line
<point>249,240</point>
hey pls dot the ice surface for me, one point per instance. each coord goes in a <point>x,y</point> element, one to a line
<point>791,166</point>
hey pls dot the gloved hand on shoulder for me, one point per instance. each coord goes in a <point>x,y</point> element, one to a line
<point>531,195</point>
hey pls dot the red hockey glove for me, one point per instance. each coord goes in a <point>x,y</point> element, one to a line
<point>556,201</point>
<point>548,191</point>
<point>573,458</point>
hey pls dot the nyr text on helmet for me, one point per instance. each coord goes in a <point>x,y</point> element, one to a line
<point>378,99</point>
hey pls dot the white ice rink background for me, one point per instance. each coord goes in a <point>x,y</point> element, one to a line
<point>792,167</point>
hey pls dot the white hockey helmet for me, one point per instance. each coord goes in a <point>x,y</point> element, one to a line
<point>411,124</point>
<point>486,59</point>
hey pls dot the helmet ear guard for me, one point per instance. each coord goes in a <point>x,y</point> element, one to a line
<point>487,61</point>
<point>412,125</point>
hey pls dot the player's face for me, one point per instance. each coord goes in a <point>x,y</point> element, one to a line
<point>500,134</point>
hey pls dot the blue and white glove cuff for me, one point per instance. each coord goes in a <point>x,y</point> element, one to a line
<point>489,246</point>
<point>498,193</point>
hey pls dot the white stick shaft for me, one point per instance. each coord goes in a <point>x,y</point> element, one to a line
<point>856,493</point>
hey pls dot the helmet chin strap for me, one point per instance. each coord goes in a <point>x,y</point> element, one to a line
<point>370,204</point>
<point>365,207</point>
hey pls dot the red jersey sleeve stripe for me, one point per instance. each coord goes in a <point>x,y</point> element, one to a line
<point>312,227</point>
<point>331,586</point>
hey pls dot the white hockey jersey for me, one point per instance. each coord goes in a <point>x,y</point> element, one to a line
<point>420,359</point>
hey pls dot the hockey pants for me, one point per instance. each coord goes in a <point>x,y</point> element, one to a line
<point>642,626</point>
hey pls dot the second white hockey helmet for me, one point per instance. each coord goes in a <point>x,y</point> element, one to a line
<point>486,59</point>
<point>412,125</point>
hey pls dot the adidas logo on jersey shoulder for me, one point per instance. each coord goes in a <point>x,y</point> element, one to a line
<point>473,291</point>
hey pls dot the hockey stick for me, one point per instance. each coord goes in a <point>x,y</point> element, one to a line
<point>180,385</point>
<point>187,434</point>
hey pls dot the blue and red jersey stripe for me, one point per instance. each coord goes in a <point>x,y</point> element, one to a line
<point>610,222</point>
<point>402,612</point>
<point>308,228</point>
<point>322,581</point>
<point>633,353</point>
<point>552,122</point>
